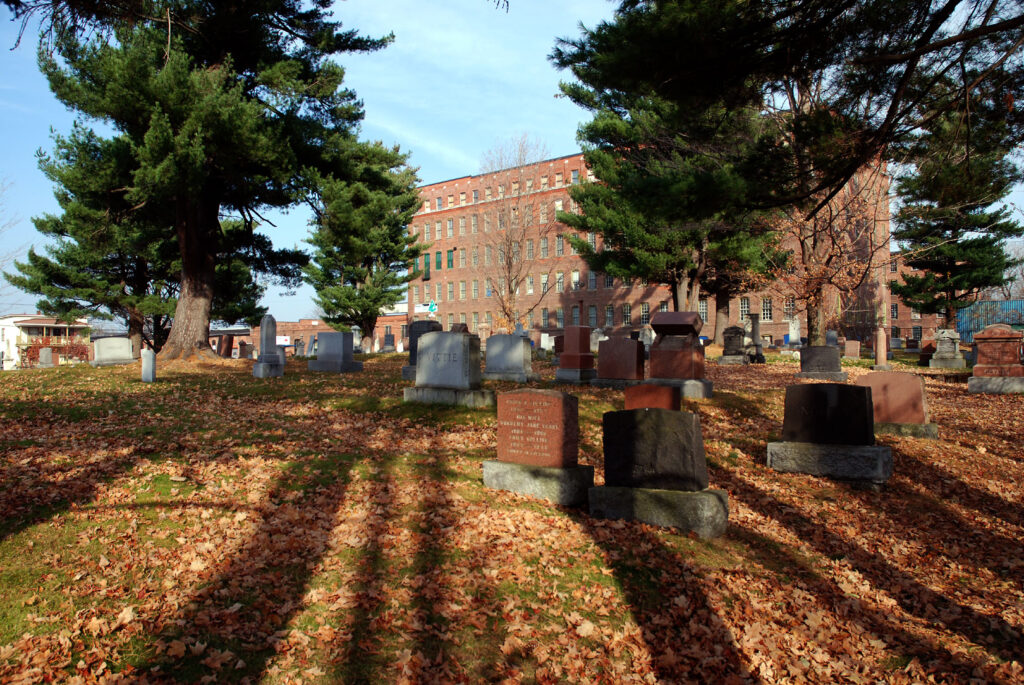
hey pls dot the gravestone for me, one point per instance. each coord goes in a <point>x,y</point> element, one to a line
<point>647,337</point>
<point>538,443</point>
<point>927,350</point>
<point>270,363</point>
<point>851,349</point>
<point>832,338</point>
<point>334,354</point>
<point>311,345</point>
<point>112,351</point>
<point>576,362</point>
<point>45,358</point>
<point>947,350</point>
<point>596,336</point>
<point>416,330</point>
<point>882,353</point>
<point>899,405</point>
<point>148,366</point>
<point>896,343</point>
<point>509,358</point>
<point>620,363</point>
<point>794,332</point>
<point>520,331</point>
<point>651,396</point>
<point>821,362</point>
<point>457,328</point>
<point>357,337</point>
<point>756,353</point>
<point>999,368</point>
<point>677,355</point>
<point>225,344</point>
<point>733,352</point>
<point>656,472</point>
<point>547,342</point>
<point>448,371</point>
<point>244,350</point>
<point>913,344</point>
<point>828,430</point>
<point>389,343</point>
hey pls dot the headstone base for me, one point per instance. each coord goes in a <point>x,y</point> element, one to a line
<point>111,362</point>
<point>996,385</point>
<point>565,486</point>
<point>881,367</point>
<point>733,360</point>
<point>616,383</point>
<point>388,349</point>
<point>514,377</point>
<point>335,366</point>
<point>909,430</point>
<point>461,398</point>
<point>267,370</point>
<point>692,388</point>
<point>958,363</point>
<point>409,373</point>
<point>832,376</point>
<point>706,512</point>
<point>859,463</point>
<point>575,376</point>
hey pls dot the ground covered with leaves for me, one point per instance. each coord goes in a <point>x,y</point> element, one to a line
<point>212,527</point>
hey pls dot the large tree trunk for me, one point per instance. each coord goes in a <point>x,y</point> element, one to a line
<point>136,322</point>
<point>816,317</point>
<point>197,222</point>
<point>721,316</point>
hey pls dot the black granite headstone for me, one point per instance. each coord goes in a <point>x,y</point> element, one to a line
<point>732,341</point>
<point>829,414</point>
<point>416,329</point>
<point>820,358</point>
<point>654,448</point>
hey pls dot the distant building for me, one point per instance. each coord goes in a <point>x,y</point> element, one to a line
<point>906,322</point>
<point>19,331</point>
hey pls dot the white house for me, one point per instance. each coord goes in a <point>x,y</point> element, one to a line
<point>18,331</point>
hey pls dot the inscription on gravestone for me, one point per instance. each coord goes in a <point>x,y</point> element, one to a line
<point>538,428</point>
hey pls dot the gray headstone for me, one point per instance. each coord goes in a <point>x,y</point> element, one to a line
<point>732,341</point>
<point>794,331</point>
<point>310,346</point>
<point>357,336</point>
<point>820,359</point>
<point>148,366</point>
<point>509,357</point>
<point>416,330</point>
<point>547,341</point>
<point>832,338</point>
<point>654,448</point>
<point>829,414</point>
<point>448,360</point>
<point>389,343</point>
<point>110,351</point>
<point>334,353</point>
<point>270,363</point>
<point>46,358</point>
<point>647,336</point>
<point>520,331</point>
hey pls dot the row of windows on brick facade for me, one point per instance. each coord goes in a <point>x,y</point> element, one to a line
<point>548,318</point>
<point>447,259</point>
<point>894,313</point>
<point>489,194</point>
<point>446,229</point>
<point>530,284</point>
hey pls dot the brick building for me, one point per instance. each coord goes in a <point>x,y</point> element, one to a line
<point>480,230</point>
<point>907,323</point>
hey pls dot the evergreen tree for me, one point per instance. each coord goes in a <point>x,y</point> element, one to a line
<point>364,254</point>
<point>950,225</point>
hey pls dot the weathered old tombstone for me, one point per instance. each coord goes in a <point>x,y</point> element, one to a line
<point>652,396</point>
<point>1000,365</point>
<point>732,342</point>
<point>756,352</point>
<point>538,444</point>
<point>458,328</point>
<point>389,343</point>
<point>882,352</point>
<point>620,363</point>
<point>270,363</point>
<point>334,354</point>
<point>677,355</point>
<point>851,349</point>
<point>244,350</point>
<point>821,362</point>
<point>647,337</point>
<point>311,345</point>
<point>947,350</point>
<point>148,366</point>
<point>828,430</point>
<point>832,338</point>
<point>547,342</point>
<point>112,351</point>
<point>896,343</point>
<point>656,472</point>
<point>45,358</point>
<point>416,330</point>
<point>899,404</point>
<point>927,350</point>
<point>596,336</point>
<point>576,362</point>
<point>448,371</point>
<point>794,332</point>
<point>509,358</point>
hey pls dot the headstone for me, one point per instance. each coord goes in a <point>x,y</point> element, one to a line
<point>851,349</point>
<point>596,336</point>
<point>558,344</point>
<point>416,330</point>
<point>334,354</point>
<point>828,430</point>
<point>148,366</point>
<point>620,363</point>
<point>882,353</point>
<point>547,342</point>
<point>927,350</point>
<point>913,344</point>
<point>794,331</point>
<point>509,358</point>
<point>282,353</point>
<point>225,344</point>
<point>651,396</point>
<point>576,363</point>
<point>538,443</point>
<point>389,343</point>
<point>399,347</point>
<point>357,337</point>
<point>448,371</point>
<point>821,362</point>
<point>757,353</point>
<point>244,350</point>
<point>677,357</point>
<point>45,358</point>
<point>656,472</point>
<point>947,350</point>
<point>270,363</point>
<point>832,338</point>
<point>733,350</point>
<point>457,328</point>
<point>898,402</point>
<point>112,351</point>
<point>999,368</point>
<point>519,330</point>
<point>896,343</point>
<point>311,345</point>
<point>647,337</point>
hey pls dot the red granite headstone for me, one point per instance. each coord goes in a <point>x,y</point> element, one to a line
<point>559,345</point>
<point>851,348</point>
<point>999,352</point>
<point>677,323</point>
<point>677,352</point>
<point>538,428</point>
<point>897,397</point>
<point>652,396</point>
<point>620,358</point>
<point>577,354</point>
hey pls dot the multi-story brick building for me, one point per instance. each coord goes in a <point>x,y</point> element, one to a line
<point>906,322</point>
<point>481,232</point>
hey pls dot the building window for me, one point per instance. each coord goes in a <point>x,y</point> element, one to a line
<point>462,199</point>
<point>767,312</point>
<point>437,261</point>
<point>530,319</point>
<point>543,213</point>
<point>789,308</point>
<point>543,283</point>
<point>490,321</point>
<point>895,331</point>
<point>476,256</point>
<point>451,321</point>
<point>559,318</point>
<point>426,266</point>
<point>405,331</point>
<point>559,282</point>
<point>559,246</point>
<point>592,240</point>
<point>529,185</point>
<point>426,233</point>
<point>893,266</point>
<point>476,289</point>
<point>437,203</point>
<point>576,280</point>
<point>592,280</point>
<point>462,225</point>
<point>501,190</point>
<point>609,316</point>
<point>915,332</point>
<point>529,249</point>
<point>744,308</point>
<point>558,178</point>
<point>575,315</point>
<point>462,290</point>
<point>451,258</point>
<point>476,196</point>
<point>487,287</point>
<point>702,308</point>
<point>644,282</point>
<point>487,255</point>
<point>663,307</point>
<point>544,317</point>
<point>592,316</point>
<point>462,256</point>
<point>575,176</point>
<point>543,181</point>
<point>451,228</point>
<point>609,281</point>
<point>462,317</point>
<point>894,312</point>
<point>476,321</point>
<point>487,194</point>
<point>474,223</point>
<point>627,315</point>
<point>451,200</point>
<point>543,248</point>
<point>645,314</point>
<point>415,293</point>
<point>437,292</point>
<point>529,285</point>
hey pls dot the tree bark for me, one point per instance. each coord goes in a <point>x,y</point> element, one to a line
<point>136,322</point>
<point>721,316</point>
<point>197,219</point>
<point>816,317</point>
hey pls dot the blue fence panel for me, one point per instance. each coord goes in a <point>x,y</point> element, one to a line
<point>973,319</point>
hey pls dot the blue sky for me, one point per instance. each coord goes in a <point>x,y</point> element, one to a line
<point>460,77</point>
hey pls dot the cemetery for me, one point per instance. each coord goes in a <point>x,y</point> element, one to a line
<point>224,523</point>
